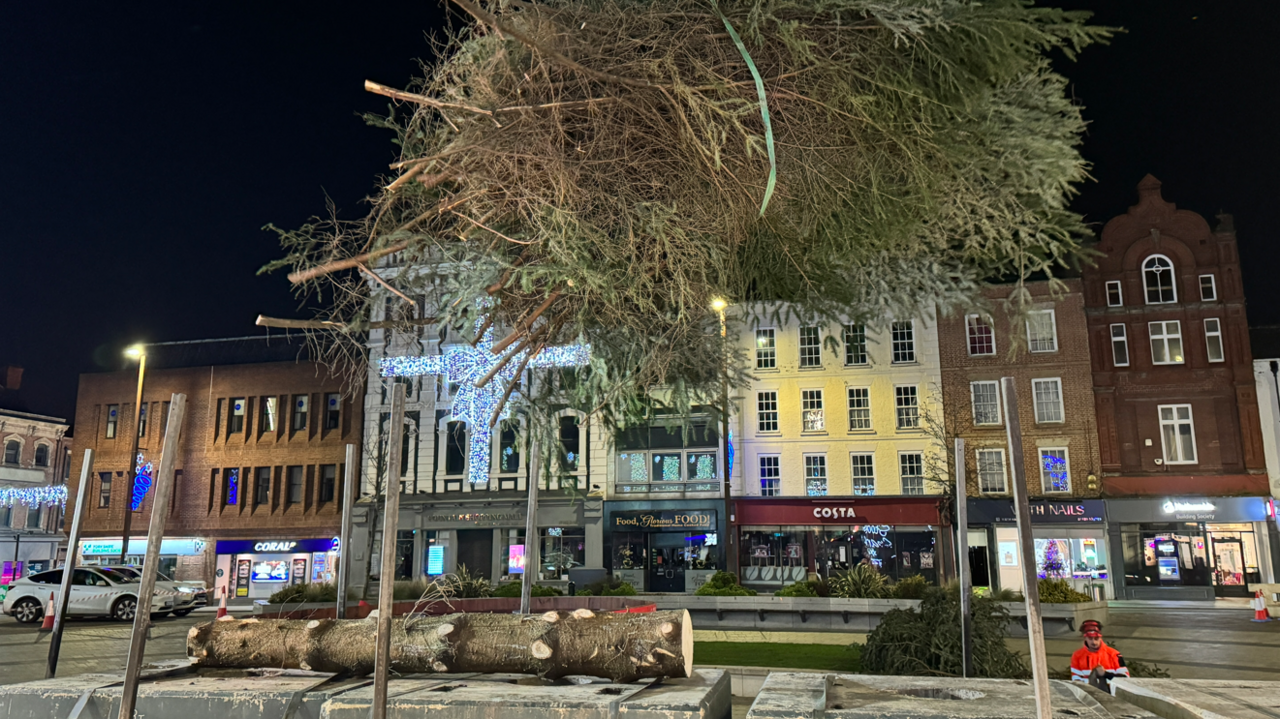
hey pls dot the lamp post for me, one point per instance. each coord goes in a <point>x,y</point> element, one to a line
<point>138,352</point>
<point>730,554</point>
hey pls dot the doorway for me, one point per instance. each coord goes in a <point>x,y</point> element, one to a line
<point>475,550</point>
<point>666,561</point>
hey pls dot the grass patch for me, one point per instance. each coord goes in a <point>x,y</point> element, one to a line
<point>787,656</point>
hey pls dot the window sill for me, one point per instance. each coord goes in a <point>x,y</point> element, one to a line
<point>1043,352</point>
<point>910,430</point>
<point>1167,364</point>
<point>982,354</point>
<point>769,433</point>
<point>988,425</point>
<point>862,432</point>
<point>1167,463</point>
<point>1052,421</point>
<point>857,365</point>
<point>907,363</point>
<point>810,368</point>
<point>814,433</point>
<point>766,369</point>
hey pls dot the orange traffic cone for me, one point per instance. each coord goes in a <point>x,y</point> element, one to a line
<point>222,606</point>
<point>47,624</point>
<point>1260,608</point>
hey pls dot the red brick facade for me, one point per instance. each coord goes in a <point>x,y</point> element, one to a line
<point>1218,386</point>
<point>213,444</point>
<point>963,365</point>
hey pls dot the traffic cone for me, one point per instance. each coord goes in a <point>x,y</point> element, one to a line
<point>222,606</point>
<point>1260,607</point>
<point>47,624</point>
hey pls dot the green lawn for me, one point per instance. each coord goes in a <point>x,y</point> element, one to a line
<point>788,656</point>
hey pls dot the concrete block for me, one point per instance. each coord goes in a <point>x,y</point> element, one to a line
<point>230,694</point>
<point>787,695</point>
<point>1202,698</point>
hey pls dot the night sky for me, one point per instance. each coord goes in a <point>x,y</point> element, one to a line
<point>143,146</point>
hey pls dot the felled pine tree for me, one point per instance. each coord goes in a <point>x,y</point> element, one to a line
<point>602,170</point>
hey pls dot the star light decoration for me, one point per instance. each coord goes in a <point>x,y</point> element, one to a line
<point>464,365</point>
<point>141,482</point>
<point>34,496</point>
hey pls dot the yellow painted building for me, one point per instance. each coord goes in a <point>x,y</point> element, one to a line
<point>839,410</point>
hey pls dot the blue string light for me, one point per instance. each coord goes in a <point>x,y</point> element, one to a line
<point>34,496</point>
<point>465,365</point>
<point>233,486</point>
<point>141,482</point>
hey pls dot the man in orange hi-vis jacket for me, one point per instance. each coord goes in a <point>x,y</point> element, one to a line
<point>1096,663</point>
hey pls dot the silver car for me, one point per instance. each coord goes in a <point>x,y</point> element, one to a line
<point>95,592</point>
<point>186,595</point>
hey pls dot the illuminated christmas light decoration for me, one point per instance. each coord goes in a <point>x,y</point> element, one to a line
<point>729,445</point>
<point>875,536</point>
<point>141,482</point>
<point>34,496</point>
<point>465,365</point>
<point>233,486</point>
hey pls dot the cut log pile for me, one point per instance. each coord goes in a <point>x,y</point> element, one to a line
<point>620,647</point>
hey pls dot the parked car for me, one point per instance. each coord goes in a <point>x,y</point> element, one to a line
<point>95,592</point>
<point>187,594</point>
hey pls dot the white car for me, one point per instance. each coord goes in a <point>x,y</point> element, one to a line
<point>95,592</point>
<point>187,595</point>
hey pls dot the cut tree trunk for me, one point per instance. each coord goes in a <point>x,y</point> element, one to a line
<point>620,647</point>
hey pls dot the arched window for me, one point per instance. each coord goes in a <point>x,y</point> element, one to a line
<point>42,455</point>
<point>1157,278</point>
<point>12,451</point>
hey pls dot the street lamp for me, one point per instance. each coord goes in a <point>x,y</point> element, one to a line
<point>730,554</point>
<point>138,352</point>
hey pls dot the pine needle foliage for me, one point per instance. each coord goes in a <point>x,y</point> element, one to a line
<point>601,170</point>
<point>926,641</point>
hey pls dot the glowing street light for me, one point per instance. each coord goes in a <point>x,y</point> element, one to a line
<point>138,352</point>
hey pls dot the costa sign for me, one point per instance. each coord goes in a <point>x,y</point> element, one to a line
<point>833,512</point>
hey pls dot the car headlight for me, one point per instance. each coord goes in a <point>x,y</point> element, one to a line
<point>186,590</point>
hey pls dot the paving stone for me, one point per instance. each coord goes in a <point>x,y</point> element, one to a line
<point>1202,698</point>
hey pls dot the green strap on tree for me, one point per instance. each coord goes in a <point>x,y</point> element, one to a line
<point>764,108</point>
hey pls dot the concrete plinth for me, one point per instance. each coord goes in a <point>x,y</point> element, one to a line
<point>1202,698</point>
<point>857,696</point>
<point>234,695</point>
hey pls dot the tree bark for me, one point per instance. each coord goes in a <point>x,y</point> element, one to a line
<point>620,647</point>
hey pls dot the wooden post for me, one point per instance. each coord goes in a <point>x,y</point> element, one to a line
<point>132,472</point>
<point>530,530</point>
<point>962,564</point>
<point>147,587</point>
<point>68,567</point>
<point>344,536</point>
<point>1030,590</point>
<point>387,578</point>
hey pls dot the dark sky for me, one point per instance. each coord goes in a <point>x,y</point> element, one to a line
<point>144,145</point>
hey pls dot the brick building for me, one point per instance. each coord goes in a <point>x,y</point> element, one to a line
<point>1047,354</point>
<point>33,474</point>
<point>1183,466</point>
<point>259,475</point>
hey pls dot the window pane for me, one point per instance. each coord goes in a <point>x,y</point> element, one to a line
<point>864,476</point>
<point>1119,346</point>
<point>902,335</point>
<point>810,347</point>
<point>767,411</point>
<point>1157,276</point>
<point>1186,446</point>
<point>986,403</point>
<point>1042,333</point>
<point>1114,296</point>
<point>1171,443</point>
<point>1213,338</point>
<point>702,466</point>
<point>1208,291</point>
<point>770,476</point>
<point>982,339</point>
<point>855,344</point>
<point>267,423</point>
<point>1053,470</point>
<point>666,467</point>
<point>235,420</point>
<point>912,472</point>
<point>907,407</point>
<point>859,408</point>
<point>991,470</point>
<point>811,410</point>
<point>1048,400</point>
<point>766,350</point>
<point>815,475</point>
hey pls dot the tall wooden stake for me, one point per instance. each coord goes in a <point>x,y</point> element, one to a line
<point>68,567</point>
<point>344,536</point>
<point>962,565</point>
<point>132,471</point>
<point>531,561</point>
<point>147,587</point>
<point>1031,589</point>
<point>387,578</point>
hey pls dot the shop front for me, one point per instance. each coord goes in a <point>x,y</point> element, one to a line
<point>488,539</point>
<point>782,541</point>
<point>258,568</point>
<point>180,557</point>
<point>1070,544</point>
<point>1190,547</point>
<point>665,546</point>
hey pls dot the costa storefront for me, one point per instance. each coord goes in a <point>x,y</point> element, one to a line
<point>783,540</point>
